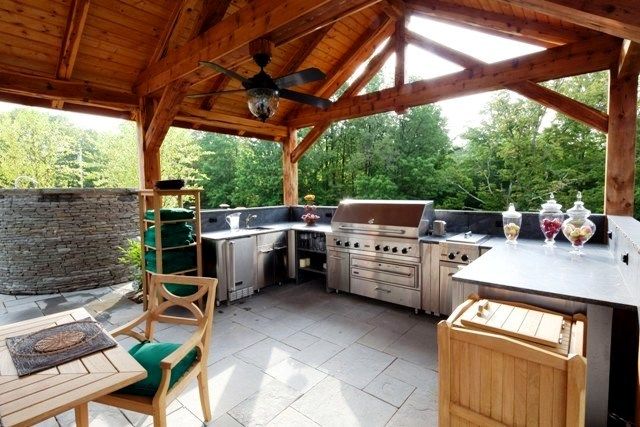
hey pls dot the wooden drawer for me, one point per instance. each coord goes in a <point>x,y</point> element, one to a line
<point>389,293</point>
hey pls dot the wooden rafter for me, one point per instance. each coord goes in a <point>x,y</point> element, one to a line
<point>373,67</point>
<point>629,63</point>
<point>165,111</point>
<point>577,58</point>
<point>251,22</point>
<point>620,19</point>
<point>167,32</point>
<point>63,90</point>
<point>77,106</point>
<point>547,97</point>
<point>400,47</point>
<point>226,121</point>
<point>539,33</point>
<point>71,41</point>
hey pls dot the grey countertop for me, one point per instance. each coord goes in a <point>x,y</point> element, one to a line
<point>531,268</point>
<point>266,228</point>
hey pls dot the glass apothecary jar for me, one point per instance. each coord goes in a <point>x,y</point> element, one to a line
<point>551,218</point>
<point>511,223</point>
<point>578,228</point>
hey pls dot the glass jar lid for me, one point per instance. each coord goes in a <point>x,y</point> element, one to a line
<point>551,206</point>
<point>578,210</point>
<point>511,212</point>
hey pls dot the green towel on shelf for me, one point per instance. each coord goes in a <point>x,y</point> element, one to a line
<point>171,214</point>
<point>178,234</point>
<point>173,260</point>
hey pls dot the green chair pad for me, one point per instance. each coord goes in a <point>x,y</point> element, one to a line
<point>149,355</point>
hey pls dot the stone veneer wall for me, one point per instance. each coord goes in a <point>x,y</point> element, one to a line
<point>58,240</point>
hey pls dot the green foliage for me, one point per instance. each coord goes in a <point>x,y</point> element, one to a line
<point>131,256</point>
<point>519,153</point>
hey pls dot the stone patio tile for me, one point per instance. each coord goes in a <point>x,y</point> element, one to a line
<point>399,321</point>
<point>257,303</point>
<point>51,422</point>
<point>420,410</point>
<point>266,353</point>
<point>357,365</point>
<point>291,418</point>
<point>183,418</point>
<point>20,315</point>
<point>53,303</point>
<point>26,306</point>
<point>389,389</point>
<point>272,328</point>
<point>293,320</point>
<point>230,340</point>
<point>339,329</point>
<point>300,340</point>
<point>296,374</point>
<point>413,374</point>
<point>174,333</point>
<point>27,299</point>
<point>336,403</point>
<point>225,420</point>
<point>318,353</point>
<point>379,338</point>
<point>7,297</point>
<point>142,420</point>
<point>3,309</point>
<point>99,416</point>
<point>273,398</point>
<point>356,308</point>
<point>87,294</point>
<point>231,381</point>
<point>418,345</point>
<point>123,288</point>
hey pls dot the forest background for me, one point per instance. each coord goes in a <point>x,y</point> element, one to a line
<point>519,153</point>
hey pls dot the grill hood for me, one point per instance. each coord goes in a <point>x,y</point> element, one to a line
<point>397,218</point>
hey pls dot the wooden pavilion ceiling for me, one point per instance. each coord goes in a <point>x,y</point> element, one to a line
<point>104,56</point>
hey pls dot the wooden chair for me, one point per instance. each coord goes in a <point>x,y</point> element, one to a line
<point>160,299</point>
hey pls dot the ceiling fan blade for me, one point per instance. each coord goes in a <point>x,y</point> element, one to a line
<point>300,77</point>
<point>221,69</point>
<point>220,92</point>
<point>305,98</point>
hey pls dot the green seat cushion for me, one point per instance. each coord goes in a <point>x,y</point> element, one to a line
<point>172,261</point>
<point>181,290</point>
<point>178,234</point>
<point>171,214</point>
<point>149,355</point>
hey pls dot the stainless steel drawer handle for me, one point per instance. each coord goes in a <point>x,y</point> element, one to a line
<point>383,290</point>
<point>382,270</point>
<point>335,257</point>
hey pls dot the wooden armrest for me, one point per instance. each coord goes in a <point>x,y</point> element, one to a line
<point>126,329</point>
<point>174,358</point>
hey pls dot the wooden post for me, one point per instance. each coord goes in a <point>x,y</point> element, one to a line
<point>621,144</point>
<point>149,157</point>
<point>289,169</point>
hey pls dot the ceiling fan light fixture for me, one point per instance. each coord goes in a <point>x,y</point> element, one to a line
<point>263,102</point>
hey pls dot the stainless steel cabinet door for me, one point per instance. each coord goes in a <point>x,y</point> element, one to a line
<point>338,270</point>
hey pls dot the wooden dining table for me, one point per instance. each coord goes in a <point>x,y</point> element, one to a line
<point>33,398</point>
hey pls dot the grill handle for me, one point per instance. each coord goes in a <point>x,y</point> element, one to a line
<point>368,230</point>
<point>383,290</point>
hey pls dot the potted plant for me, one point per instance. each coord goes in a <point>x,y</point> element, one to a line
<point>309,216</point>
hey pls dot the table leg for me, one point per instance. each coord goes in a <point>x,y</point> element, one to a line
<point>82,415</point>
<point>599,324</point>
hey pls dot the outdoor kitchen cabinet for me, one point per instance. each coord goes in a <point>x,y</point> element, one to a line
<point>338,270</point>
<point>311,246</point>
<point>271,258</point>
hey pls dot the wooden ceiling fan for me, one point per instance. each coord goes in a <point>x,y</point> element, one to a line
<point>264,91</point>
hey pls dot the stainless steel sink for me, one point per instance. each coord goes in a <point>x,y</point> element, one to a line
<point>260,228</point>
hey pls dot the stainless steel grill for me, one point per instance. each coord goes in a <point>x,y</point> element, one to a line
<point>373,249</point>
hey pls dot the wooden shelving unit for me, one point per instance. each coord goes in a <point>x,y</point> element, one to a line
<point>154,200</point>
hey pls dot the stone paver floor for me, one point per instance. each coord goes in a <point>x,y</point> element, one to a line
<point>292,355</point>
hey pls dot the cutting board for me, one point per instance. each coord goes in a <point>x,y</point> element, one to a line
<point>523,323</point>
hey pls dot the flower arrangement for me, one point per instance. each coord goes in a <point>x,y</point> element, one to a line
<point>309,210</point>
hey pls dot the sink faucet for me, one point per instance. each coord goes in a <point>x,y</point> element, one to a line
<point>247,221</point>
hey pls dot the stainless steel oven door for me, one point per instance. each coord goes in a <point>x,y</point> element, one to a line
<point>393,273</point>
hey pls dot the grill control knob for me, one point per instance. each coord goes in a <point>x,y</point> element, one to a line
<point>346,244</point>
<point>394,250</point>
<point>464,258</point>
<point>405,250</point>
<point>338,242</point>
<point>452,255</point>
<point>386,249</point>
<point>377,248</point>
<point>356,245</point>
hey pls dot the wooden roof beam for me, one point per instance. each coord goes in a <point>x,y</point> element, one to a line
<point>373,67</point>
<point>547,97</point>
<point>64,90</point>
<point>620,18</point>
<point>227,121</point>
<point>71,41</point>
<point>629,62</point>
<point>255,20</point>
<point>538,33</point>
<point>165,111</point>
<point>577,58</point>
<point>400,42</point>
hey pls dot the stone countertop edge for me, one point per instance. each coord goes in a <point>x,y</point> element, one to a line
<point>554,272</point>
<point>272,228</point>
